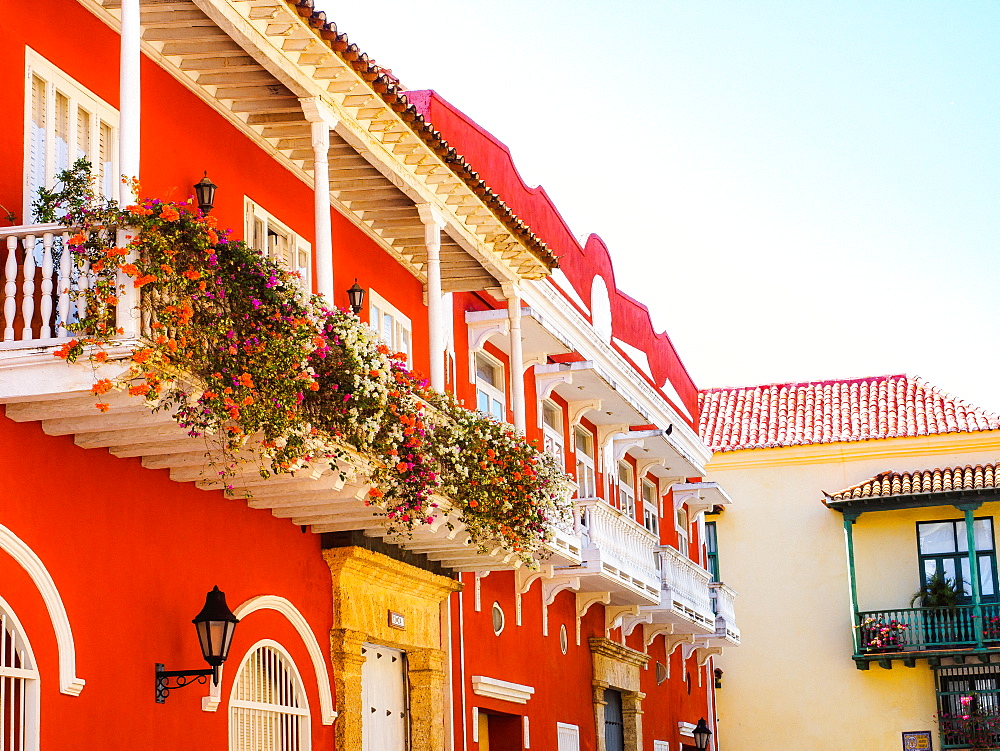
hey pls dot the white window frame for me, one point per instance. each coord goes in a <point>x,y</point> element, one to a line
<point>683,530</point>
<point>586,474</point>
<point>553,437</point>
<point>496,396</point>
<point>302,712</point>
<point>400,339</point>
<point>570,733</point>
<point>626,490</point>
<point>26,677</point>
<point>254,213</point>
<point>79,97</point>
<point>650,508</point>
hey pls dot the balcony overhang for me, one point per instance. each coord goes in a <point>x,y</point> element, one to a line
<point>539,338</point>
<point>700,497</point>
<point>35,386</point>
<point>609,403</point>
<point>656,452</point>
<point>855,506</point>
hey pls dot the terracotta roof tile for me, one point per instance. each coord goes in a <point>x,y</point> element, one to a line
<point>859,409</point>
<point>387,86</point>
<point>938,480</point>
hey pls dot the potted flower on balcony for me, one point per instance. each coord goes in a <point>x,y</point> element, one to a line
<point>940,595</point>
<point>878,635</point>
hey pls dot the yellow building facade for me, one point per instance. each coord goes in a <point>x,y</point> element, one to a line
<point>796,682</point>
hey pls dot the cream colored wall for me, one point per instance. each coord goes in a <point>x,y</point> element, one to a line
<point>783,551</point>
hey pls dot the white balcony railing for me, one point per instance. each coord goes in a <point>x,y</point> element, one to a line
<point>37,304</point>
<point>724,600</point>
<point>619,550</point>
<point>686,598</point>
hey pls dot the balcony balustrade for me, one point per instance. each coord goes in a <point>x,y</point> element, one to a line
<point>618,555</point>
<point>685,597</point>
<point>37,299</point>
<point>883,632</point>
<point>724,605</point>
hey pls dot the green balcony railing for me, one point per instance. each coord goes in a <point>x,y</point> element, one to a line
<point>918,629</point>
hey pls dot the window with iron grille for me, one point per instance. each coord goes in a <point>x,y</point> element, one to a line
<point>969,706</point>
<point>268,709</point>
<point>18,687</point>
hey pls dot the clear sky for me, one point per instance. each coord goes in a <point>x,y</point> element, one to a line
<point>797,190</point>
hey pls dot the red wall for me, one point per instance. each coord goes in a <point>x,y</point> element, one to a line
<point>562,683</point>
<point>133,554</point>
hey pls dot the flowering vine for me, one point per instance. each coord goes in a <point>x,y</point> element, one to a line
<point>238,353</point>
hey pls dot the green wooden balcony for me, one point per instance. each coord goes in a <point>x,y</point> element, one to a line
<point>908,634</point>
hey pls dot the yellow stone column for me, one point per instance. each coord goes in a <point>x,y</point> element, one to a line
<point>347,661</point>
<point>426,668</point>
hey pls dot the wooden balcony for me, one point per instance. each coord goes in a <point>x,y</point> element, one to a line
<point>909,634</point>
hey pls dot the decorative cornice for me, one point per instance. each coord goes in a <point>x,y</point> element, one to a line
<point>618,652</point>
<point>494,688</point>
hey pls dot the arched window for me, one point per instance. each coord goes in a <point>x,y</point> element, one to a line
<point>18,686</point>
<point>268,709</point>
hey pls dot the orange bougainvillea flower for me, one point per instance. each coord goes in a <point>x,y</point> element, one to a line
<point>100,356</point>
<point>103,406</point>
<point>78,239</point>
<point>144,279</point>
<point>103,386</point>
<point>169,213</point>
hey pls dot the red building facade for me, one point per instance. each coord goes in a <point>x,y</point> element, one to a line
<point>112,529</point>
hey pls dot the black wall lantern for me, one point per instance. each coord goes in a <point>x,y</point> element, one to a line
<point>356,295</point>
<point>702,734</point>
<point>215,625</point>
<point>204,190</point>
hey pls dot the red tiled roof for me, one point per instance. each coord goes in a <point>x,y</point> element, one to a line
<point>859,409</point>
<point>938,480</point>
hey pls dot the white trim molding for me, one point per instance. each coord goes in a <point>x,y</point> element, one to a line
<point>273,602</point>
<point>494,688</point>
<point>69,683</point>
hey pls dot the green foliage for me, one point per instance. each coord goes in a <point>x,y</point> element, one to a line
<point>937,592</point>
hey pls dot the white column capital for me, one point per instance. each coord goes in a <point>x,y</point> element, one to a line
<point>511,290</point>
<point>431,215</point>
<point>318,111</point>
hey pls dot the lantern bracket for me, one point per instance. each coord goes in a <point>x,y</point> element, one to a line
<point>181,678</point>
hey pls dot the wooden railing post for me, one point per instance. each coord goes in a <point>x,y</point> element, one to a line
<point>977,598</point>
<point>849,518</point>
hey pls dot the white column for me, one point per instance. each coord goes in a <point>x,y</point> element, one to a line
<point>129,99</point>
<point>321,195</point>
<point>433,224</point>
<point>516,357</point>
<point>322,121</point>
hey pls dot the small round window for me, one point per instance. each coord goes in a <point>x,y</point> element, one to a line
<point>498,618</point>
<point>563,639</point>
